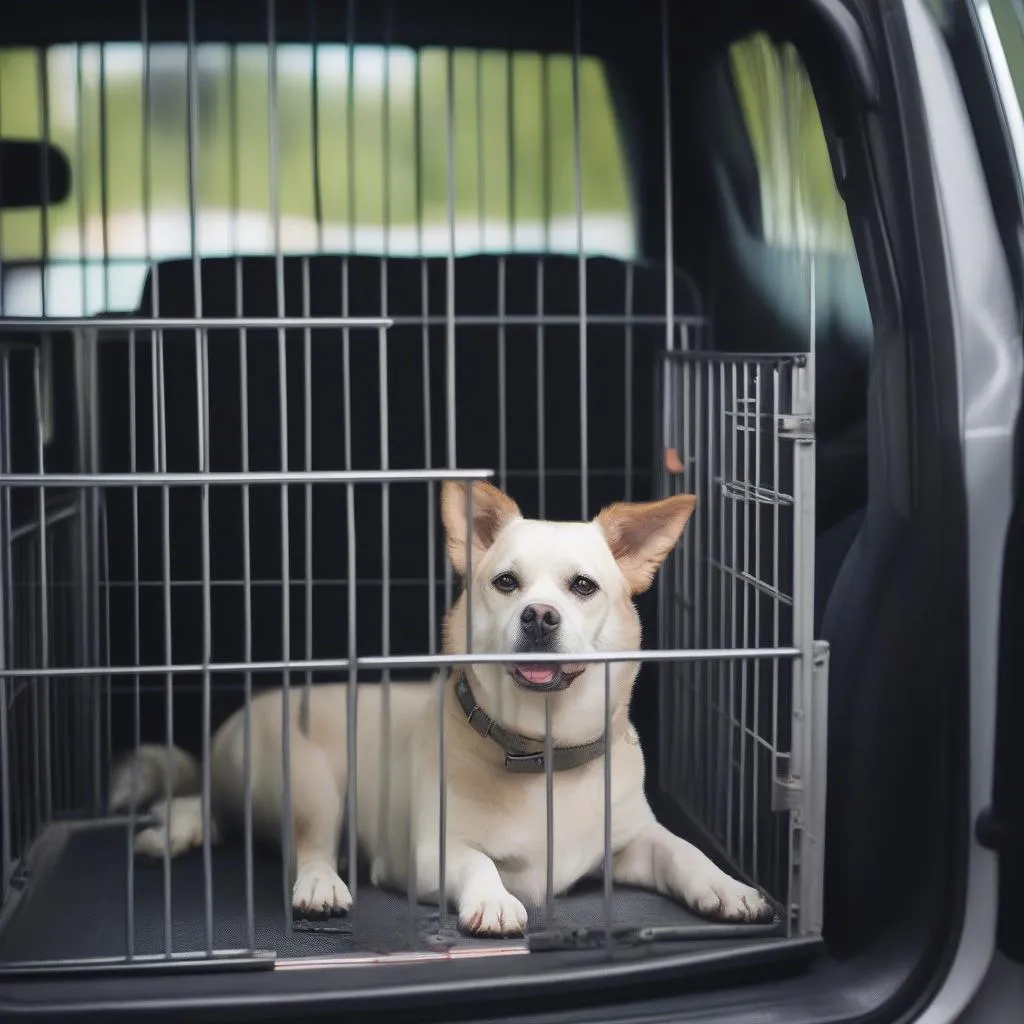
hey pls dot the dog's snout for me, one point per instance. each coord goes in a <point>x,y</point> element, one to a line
<point>540,620</point>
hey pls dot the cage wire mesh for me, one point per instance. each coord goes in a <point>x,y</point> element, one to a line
<point>234,484</point>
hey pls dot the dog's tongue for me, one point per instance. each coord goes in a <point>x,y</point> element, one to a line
<point>538,674</point>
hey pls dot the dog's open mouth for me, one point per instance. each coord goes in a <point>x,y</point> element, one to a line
<point>544,678</point>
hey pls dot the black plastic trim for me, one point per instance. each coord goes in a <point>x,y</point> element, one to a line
<point>847,31</point>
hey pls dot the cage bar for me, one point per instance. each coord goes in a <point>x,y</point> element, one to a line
<point>741,682</point>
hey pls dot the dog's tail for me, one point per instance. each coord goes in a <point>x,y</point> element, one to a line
<point>143,777</point>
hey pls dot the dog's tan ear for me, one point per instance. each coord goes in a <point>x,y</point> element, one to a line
<point>492,511</point>
<point>642,534</point>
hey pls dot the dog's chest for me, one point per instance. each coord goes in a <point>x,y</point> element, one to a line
<point>512,828</point>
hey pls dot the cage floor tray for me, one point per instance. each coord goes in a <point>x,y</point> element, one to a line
<point>77,907</point>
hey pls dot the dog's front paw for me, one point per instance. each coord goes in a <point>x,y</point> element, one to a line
<point>319,892</point>
<point>724,899</point>
<point>494,912</point>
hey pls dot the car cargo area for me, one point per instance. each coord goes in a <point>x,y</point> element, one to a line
<point>271,277</point>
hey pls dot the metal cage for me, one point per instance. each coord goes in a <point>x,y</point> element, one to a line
<point>739,432</point>
<point>201,496</point>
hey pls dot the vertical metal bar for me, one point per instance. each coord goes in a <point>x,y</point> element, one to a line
<point>666,603</point>
<point>549,816</point>
<point>502,264</point>
<point>452,459</point>
<point>165,494</point>
<point>776,583</point>
<point>671,375</point>
<point>46,341</point>
<point>133,444</point>
<point>745,620</point>
<point>352,707</point>
<point>104,177</point>
<point>481,205</point>
<point>725,688</point>
<point>698,455</point>
<point>7,657</point>
<point>6,629</point>
<point>94,494</point>
<point>510,138</point>
<point>81,361</point>
<point>808,696</point>
<point>667,199</point>
<point>676,418</point>
<point>46,782</point>
<point>243,380</point>
<point>350,514</point>
<point>442,842</point>
<point>541,425</point>
<point>411,880</point>
<point>136,682</point>
<point>736,727</point>
<point>81,355</point>
<point>450,266</point>
<point>577,143</point>
<point>105,545</point>
<point>442,801</point>
<point>710,668</point>
<point>385,526</point>
<point>307,437</point>
<point>545,150</point>
<point>608,806</point>
<point>159,393</point>
<point>80,161</point>
<point>307,358</point>
<point>282,396</point>
<point>627,377</point>
<point>104,685</point>
<point>243,372</point>
<point>202,432</point>
<point>450,292</point>
<point>470,516</point>
<point>502,387</point>
<point>755,640</point>
<point>318,196</point>
<point>428,438</point>
<point>384,808</point>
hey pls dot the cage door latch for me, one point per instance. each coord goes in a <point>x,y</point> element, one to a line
<point>796,427</point>
<point>787,794</point>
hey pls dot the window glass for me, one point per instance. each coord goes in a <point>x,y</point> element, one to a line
<point>800,204</point>
<point>362,144</point>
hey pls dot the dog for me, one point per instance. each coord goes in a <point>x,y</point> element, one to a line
<point>537,586</point>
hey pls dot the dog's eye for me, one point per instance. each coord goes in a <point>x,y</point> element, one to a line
<point>506,582</point>
<point>583,586</point>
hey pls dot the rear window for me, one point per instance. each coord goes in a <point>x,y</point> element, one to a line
<point>360,167</point>
<point>801,207</point>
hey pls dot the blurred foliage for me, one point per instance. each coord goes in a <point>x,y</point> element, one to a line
<point>513,135</point>
<point>800,204</point>
<point>513,143</point>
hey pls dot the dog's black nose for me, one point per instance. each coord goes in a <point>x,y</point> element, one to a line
<point>540,620</point>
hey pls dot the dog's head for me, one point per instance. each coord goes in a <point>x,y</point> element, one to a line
<point>552,587</point>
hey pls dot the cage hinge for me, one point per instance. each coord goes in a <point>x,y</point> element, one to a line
<point>796,428</point>
<point>820,653</point>
<point>787,794</point>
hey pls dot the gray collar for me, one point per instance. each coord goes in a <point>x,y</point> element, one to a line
<point>523,755</point>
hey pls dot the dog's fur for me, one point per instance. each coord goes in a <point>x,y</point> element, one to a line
<point>496,837</point>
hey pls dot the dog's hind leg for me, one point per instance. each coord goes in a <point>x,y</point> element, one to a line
<point>316,817</point>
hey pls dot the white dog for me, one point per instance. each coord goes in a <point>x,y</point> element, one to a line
<point>536,587</point>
